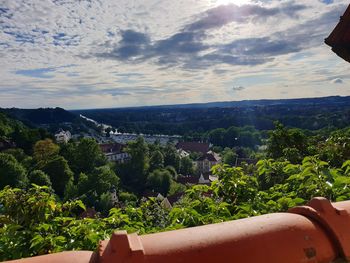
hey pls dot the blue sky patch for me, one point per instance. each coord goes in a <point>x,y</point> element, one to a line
<point>42,73</point>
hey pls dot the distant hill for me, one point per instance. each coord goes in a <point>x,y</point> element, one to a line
<point>338,100</point>
<point>198,118</point>
<point>51,119</point>
<point>41,116</point>
<point>307,113</point>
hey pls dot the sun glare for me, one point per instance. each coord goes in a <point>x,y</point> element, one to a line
<point>237,2</point>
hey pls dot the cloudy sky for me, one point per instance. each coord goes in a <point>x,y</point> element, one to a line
<point>116,53</point>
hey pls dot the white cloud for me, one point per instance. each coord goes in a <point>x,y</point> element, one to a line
<point>63,37</point>
<point>337,81</point>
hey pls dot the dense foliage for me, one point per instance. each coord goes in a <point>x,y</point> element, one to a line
<point>34,222</point>
<point>47,190</point>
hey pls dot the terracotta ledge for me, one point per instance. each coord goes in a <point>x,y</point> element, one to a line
<point>317,232</point>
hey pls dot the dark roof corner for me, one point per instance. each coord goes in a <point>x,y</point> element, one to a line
<point>339,39</point>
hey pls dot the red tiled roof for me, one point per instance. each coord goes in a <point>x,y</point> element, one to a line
<point>193,146</point>
<point>150,194</point>
<point>112,147</point>
<point>187,180</point>
<point>175,197</point>
<point>339,39</point>
<point>88,213</point>
<point>209,156</point>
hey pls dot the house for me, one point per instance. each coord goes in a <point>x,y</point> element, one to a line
<point>187,180</point>
<point>207,161</point>
<point>182,153</point>
<point>114,197</point>
<point>200,147</point>
<point>88,213</point>
<point>175,198</point>
<point>241,161</point>
<point>163,201</point>
<point>115,152</point>
<point>204,179</point>
<point>213,178</point>
<point>63,136</point>
<point>207,178</point>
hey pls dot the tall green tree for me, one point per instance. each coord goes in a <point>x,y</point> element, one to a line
<point>186,166</point>
<point>25,138</point>
<point>159,181</point>
<point>59,173</point>
<point>38,177</point>
<point>44,151</point>
<point>86,156</point>
<point>12,172</point>
<point>103,179</point>
<point>134,172</point>
<point>171,157</point>
<point>17,153</point>
<point>217,137</point>
<point>281,138</point>
<point>156,160</point>
<point>230,158</point>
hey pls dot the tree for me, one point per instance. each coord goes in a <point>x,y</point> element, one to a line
<point>103,179</point>
<point>171,157</point>
<point>91,186</point>
<point>12,172</point>
<point>156,160</point>
<point>83,185</point>
<point>134,172</point>
<point>105,203</point>
<point>186,166</point>
<point>217,137</point>
<point>17,153</point>
<point>38,177</point>
<point>172,171</point>
<point>159,181</point>
<point>281,138</point>
<point>231,137</point>
<point>230,158</point>
<point>336,148</point>
<point>59,173</point>
<point>87,156</point>
<point>128,198</point>
<point>25,138</point>
<point>44,151</point>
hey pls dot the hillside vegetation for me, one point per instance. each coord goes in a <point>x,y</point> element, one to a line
<point>48,189</point>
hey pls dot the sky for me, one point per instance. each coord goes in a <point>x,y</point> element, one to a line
<point>80,54</point>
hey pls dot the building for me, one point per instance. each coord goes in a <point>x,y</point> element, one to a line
<point>63,136</point>
<point>175,198</point>
<point>115,152</point>
<point>199,147</point>
<point>114,196</point>
<point>182,153</point>
<point>207,161</point>
<point>204,179</point>
<point>192,180</point>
